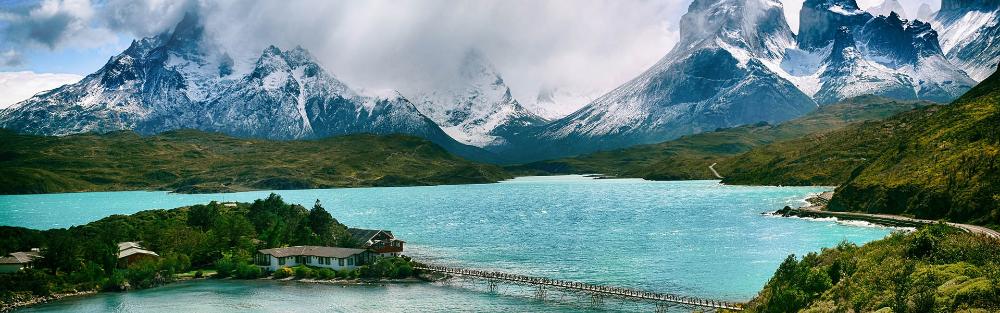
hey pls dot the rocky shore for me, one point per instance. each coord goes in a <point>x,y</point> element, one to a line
<point>20,300</point>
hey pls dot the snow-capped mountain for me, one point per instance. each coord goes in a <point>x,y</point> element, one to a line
<point>714,77</point>
<point>846,52</point>
<point>553,103</point>
<point>738,62</point>
<point>479,110</point>
<point>970,34</point>
<point>887,7</point>
<point>176,80</point>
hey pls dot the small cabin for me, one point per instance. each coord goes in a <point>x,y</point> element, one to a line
<point>16,261</point>
<point>380,242</point>
<point>130,252</point>
<point>335,258</point>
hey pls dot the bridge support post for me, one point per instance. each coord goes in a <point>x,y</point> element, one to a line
<point>540,293</point>
<point>491,285</point>
<point>596,300</point>
<point>662,307</point>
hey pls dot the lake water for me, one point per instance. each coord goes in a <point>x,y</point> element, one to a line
<point>694,238</point>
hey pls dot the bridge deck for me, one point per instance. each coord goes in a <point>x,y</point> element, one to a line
<point>596,289</point>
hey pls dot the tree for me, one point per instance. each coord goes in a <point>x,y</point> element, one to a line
<point>321,223</point>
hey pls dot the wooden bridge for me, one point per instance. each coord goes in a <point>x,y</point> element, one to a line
<point>662,300</point>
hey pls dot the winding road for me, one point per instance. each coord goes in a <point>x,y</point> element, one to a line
<point>712,167</point>
<point>818,205</point>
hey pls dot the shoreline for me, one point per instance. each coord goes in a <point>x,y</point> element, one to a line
<point>817,209</point>
<point>30,301</point>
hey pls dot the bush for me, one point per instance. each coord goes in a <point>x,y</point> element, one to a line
<point>325,273</point>
<point>393,267</point>
<point>224,267</point>
<point>247,271</point>
<point>302,271</point>
<point>282,273</point>
<point>199,274</point>
<point>345,274</point>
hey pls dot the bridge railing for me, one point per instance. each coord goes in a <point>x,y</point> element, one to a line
<point>608,290</point>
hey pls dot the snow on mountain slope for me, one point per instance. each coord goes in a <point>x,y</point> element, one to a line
<point>882,55</point>
<point>553,103</point>
<point>480,110</point>
<point>177,80</point>
<point>714,77</point>
<point>970,34</point>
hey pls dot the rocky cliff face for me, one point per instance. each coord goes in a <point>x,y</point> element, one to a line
<point>883,55</point>
<point>970,34</point>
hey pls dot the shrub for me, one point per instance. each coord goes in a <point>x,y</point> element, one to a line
<point>345,274</point>
<point>325,273</point>
<point>224,267</point>
<point>282,273</point>
<point>247,271</point>
<point>303,272</point>
<point>199,274</point>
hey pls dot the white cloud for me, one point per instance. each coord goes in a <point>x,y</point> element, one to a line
<point>18,86</point>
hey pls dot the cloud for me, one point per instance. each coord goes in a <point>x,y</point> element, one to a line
<point>18,86</point>
<point>11,58</point>
<point>54,24</point>
<point>583,46</point>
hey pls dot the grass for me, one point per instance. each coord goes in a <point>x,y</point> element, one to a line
<point>938,162</point>
<point>194,161</point>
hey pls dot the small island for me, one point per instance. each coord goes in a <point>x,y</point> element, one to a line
<point>268,239</point>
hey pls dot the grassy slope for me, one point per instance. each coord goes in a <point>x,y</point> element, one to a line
<point>936,269</point>
<point>936,162</point>
<point>690,156</point>
<point>193,161</point>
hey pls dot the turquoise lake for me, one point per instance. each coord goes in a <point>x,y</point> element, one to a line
<point>693,238</point>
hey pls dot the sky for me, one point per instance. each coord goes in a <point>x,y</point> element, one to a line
<point>583,48</point>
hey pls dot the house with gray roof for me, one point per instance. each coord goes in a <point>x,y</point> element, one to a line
<point>335,258</point>
<point>16,261</point>
<point>380,242</point>
<point>130,252</point>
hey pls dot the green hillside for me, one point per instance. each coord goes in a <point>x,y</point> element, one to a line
<point>940,162</point>
<point>194,161</point>
<point>689,157</point>
<point>937,269</point>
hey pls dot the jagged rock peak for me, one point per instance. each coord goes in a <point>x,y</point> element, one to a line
<point>899,41</point>
<point>820,20</point>
<point>758,26</point>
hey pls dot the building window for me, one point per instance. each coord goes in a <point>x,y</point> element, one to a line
<point>350,261</point>
<point>281,261</point>
<point>340,261</point>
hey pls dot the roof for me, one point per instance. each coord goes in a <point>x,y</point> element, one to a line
<point>134,251</point>
<point>366,235</point>
<point>20,257</point>
<point>327,252</point>
<point>130,248</point>
<point>128,244</point>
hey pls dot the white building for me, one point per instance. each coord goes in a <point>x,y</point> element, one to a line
<point>326,257</point>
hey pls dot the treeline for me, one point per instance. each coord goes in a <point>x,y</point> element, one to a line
<point>214,235</point>
<point>937,269</point>
<point>191,161</point>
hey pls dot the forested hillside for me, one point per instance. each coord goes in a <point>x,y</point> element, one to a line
<point>195,161</point>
